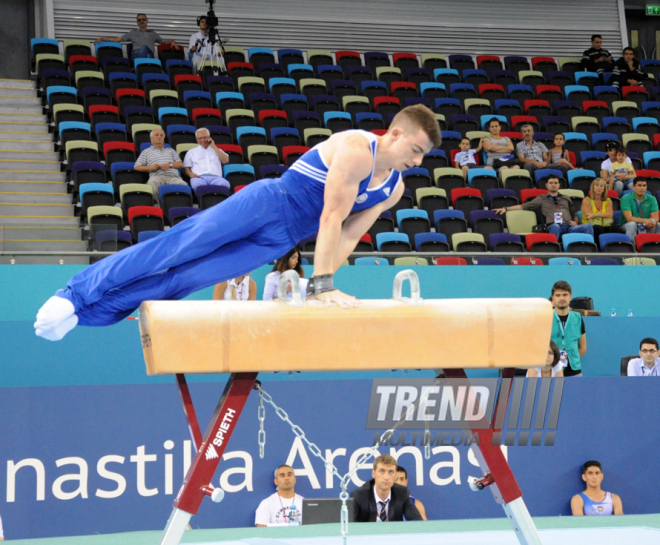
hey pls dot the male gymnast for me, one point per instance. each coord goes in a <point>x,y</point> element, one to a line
<point>338,188</point>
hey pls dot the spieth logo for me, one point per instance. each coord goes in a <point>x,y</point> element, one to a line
<point>211,453</point>
<point>224,427</point>
<point>361,198</point>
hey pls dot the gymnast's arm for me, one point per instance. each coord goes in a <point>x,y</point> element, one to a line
<point>351,162</point>
<point>358,224</point>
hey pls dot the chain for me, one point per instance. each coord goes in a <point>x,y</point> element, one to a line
<point>261,414</point>
<point>315,450</point>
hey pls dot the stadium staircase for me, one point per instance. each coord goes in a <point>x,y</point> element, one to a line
<point>36,212</point>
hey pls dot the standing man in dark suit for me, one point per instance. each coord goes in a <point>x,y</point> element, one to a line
<point>381,499</point>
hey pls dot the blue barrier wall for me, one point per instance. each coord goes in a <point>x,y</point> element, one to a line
<point>84,411</point>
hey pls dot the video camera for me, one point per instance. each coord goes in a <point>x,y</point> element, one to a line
<point>211,19</point>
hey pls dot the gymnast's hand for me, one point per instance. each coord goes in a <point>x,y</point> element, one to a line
<point>337,297</point>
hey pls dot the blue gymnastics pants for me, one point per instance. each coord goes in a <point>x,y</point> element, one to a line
<point>250,229</point>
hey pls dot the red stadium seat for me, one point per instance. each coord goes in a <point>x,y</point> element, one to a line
<point>526,261</point>
<point>526,194</point>
<point>449,261</point>
<point>535,238</point>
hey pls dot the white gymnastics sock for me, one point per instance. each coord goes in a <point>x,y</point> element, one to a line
<point>57,333</point>
<point>56,312</point>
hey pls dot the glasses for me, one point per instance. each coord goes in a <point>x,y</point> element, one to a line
<point>141,19</point>
<point>650,351</point>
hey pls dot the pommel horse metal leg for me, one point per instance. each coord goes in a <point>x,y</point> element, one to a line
<point>197,483</point>
<point>498,474</point>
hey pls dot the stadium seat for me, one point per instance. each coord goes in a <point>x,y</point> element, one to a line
<point>431,242</point>
<point>564,261</point>
<point>506,243</point>
<point>393,242</point>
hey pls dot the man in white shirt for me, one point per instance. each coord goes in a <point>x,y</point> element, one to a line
<point>285,506</point>
<point>203,164</point>
<point>648,363</point>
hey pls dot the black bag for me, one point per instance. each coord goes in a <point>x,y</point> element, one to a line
<point>584,303</point>
<point>540,228</point>
<point>499,163</point>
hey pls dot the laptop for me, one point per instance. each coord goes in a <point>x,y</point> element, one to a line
<point>325,510</point>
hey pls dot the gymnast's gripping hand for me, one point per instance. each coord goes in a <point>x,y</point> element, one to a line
<point>337,297</point>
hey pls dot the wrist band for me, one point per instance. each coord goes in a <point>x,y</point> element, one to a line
<point>320,284</point>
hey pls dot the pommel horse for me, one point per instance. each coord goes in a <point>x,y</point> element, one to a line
<point>240,338</point>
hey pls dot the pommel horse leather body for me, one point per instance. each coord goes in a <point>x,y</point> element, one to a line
<point>243,336</point>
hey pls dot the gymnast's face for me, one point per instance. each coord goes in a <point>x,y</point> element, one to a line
<point>384,477</point>
<point>593,476</point>
<point>409,145</point>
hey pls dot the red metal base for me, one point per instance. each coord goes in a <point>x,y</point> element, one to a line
<point>212,446</point>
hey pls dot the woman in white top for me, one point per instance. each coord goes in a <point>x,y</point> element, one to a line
<point>290,261</point>
<point>241,288</point>
<point>552,367</point>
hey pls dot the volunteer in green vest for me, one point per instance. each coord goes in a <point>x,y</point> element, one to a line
<point>639,211</point>
<point>567,329</point>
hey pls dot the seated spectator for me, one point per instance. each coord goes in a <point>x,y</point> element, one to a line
<point>594,501</point>
<point>532,155</point>
<point>284,506</point>
<point>499,149</point>
<point>199,46</point>
<point>160,162</point>
<point>290,261</point>
<point>597,208</point>
<point>597,59</point>
<point>241,288</point>
<point>621,169</point>
<point>627,70</point>
<point>144,41</point>
<point>203,164</point>
<point>402,479</point>
<point>648,363</point>
<point>553,366</point>
<point>568,331</point>
<point>558,156</point>
<point>464,159</point>
<point>557,210</point>
<point>381,499</point>
<point>639,211</point>
<point>606,166</point>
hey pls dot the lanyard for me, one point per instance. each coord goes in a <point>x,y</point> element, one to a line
<point>562,327</point>
<point>556,202</point>
<point>640,212</point>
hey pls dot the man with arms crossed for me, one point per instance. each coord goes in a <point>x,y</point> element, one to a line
<point>338,188</point>
<point>594,501</point>
<point>381,499</point>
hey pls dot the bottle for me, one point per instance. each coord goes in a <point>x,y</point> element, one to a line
<point>293,516</point>
<point>613,313</point>
<point>629,313</point>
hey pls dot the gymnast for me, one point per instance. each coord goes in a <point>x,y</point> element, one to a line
<point>338,188</point>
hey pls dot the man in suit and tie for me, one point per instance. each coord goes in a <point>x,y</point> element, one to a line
<point>381,499</point>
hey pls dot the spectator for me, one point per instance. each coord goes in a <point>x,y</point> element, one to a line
<point>402,479</point>
<point>290,261</point>
<point>160,162</point>
<point>627,70</point>
<point>568,331</point>
<point>199,46</point>
<point>558,156</point>
<point>648,363</point>
<point>499,149</point>
<point>639,211</point>
<point>597,208</point>
<point>597,59</point>
<point>464,159</point>
<point>143,41</point>
<point>606,166</point>
<point>532,155</point>
<point>241,288</point>
<point>381,499</point>
<point>203,164</point>
<point>621,169</point>
<point>553,366</point>
<point>557,210</point>
<point>594,500</point>
<point>284,506</point>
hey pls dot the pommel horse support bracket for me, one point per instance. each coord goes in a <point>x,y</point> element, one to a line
<point>240,337</point>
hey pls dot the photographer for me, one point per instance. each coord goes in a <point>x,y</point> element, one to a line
<point>206,45</point>
<point>199,42</point>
